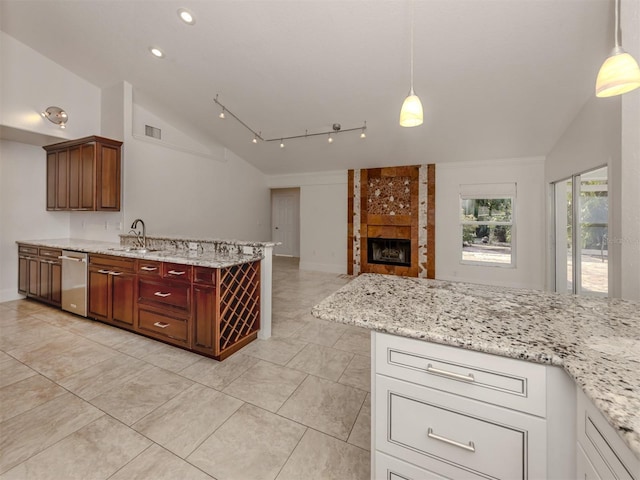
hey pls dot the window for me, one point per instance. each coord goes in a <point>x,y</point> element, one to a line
<point>487,224</point>
<point>581,229</point>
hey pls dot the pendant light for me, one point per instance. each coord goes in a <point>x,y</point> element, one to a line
<point>411,111</point>
<point>620,72</point>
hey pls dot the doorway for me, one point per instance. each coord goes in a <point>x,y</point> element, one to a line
<point>581,234</point>
<point>285,221</point>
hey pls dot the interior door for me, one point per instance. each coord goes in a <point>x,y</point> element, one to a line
<point>285,221</point>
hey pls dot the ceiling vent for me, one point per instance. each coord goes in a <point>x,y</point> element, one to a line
<point>153,132</point>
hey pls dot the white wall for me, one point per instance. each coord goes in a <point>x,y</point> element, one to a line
<point>31,82</point>
<point>323,218</point>
<point>23,214</point>
<point>528,175</point>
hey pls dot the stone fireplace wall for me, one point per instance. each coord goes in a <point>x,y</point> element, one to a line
<point>395,203</point>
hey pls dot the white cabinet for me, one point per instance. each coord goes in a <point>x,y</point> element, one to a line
<point>454,413</point>
<point>601,453</point>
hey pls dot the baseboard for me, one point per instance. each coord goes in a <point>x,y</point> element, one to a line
<point>9,294</point>
<point>323,267</point>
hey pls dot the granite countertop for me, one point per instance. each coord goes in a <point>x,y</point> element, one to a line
<point>595,340</point>
<point>186,257</point>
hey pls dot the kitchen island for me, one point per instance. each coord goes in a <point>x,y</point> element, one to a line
<point>202,295</point>
<point>596,341</point>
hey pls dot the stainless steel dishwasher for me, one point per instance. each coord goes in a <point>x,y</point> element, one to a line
<point>74,282</point>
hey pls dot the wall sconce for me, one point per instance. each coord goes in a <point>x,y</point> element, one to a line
<point>56,115</point>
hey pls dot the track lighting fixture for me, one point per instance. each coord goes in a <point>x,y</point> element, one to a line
<point>56,115</point>
<point>222,114</point>
<point>336,128</point>
<point>620,72</point>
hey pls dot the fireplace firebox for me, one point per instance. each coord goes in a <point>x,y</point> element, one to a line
<point>389,251</point>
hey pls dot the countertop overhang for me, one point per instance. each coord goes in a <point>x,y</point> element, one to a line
<point>186,257</point>
<point>595,340</point>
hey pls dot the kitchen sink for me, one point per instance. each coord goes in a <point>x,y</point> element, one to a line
<point>134,249</point>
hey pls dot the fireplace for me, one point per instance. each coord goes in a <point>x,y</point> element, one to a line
<point>389,251</point>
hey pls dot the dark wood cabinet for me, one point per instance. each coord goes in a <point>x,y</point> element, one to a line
<point>84,174</point>
<point>40,273</point>
<point>112,286</point>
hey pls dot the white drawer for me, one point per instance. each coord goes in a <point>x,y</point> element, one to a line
<point>436,431</point>
<point>391,468</point>
<point>608,454</point>
<point>498,380</point>
<point>584,468</point>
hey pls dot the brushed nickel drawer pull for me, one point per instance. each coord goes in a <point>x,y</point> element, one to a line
<point>161,325</point>
<point>104,271</point>
<point>148,269</point>
<point>470,447</point>
<point>175,272</point>
<point>115,273</point>
<point>160,294</point>
<point>453,375</point>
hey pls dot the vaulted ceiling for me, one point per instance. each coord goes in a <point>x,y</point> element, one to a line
<point>497,78</point>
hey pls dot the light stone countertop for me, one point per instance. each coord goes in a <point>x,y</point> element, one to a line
<point>595,340</point>
<point>185,257</point>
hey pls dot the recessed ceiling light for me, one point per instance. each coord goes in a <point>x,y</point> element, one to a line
<point>156,52</point>
<point>186,16</point>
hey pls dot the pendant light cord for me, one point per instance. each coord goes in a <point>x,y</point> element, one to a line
<point>617,24</point>
<point>412,21</point>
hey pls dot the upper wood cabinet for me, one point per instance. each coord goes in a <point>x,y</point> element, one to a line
<point>84,174</point>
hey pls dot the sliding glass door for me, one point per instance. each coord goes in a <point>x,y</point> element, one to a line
<point>581,229</point>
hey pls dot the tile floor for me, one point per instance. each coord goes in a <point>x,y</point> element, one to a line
<point>82,400</point>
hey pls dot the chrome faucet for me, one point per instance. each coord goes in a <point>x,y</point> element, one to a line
<point>142,242</point>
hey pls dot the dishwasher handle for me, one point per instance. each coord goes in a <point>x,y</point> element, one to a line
<point>75,259</point>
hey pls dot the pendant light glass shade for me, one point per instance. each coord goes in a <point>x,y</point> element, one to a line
<point>411,111</point>
<point>619,74</point>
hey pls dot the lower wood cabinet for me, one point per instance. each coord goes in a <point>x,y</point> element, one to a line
<point>40,273</point>
<point>112,289</point>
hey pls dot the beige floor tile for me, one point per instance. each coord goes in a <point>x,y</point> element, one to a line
<point>26,306</point>
<point>48,347</point>
<point>252,445</point>
<point>327,406</point>
<point>361,433</point>
<point>358,373</point>
<point>319,331</point>
<point>283,326</point>
<point>62,363</point>
<point>185,421</point>
<point>27,394</point>
<point>58,318</point>
<point>95,451</point>
<point>171,358</point>
<point>28,331</point>
<point>104,376</point>
<point>266,385</point>
<point>356,340</point>
<point>110,336</point>
<point>321,457</point>
<point>216,374</point>
<point>274,350</point>
<point>31,432</point>
<point>325,362</point>
<point>11,371</point>
<point>159,464</point>
<point>138,346</point>
<point>140,395</point>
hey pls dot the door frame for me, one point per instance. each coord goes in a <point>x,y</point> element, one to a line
<point>295,220</point>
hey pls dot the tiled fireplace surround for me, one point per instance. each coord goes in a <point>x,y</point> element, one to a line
<point>393,203</point>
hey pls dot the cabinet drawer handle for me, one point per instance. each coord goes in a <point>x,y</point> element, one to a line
<point>74,259</point>
<point>104,271</point>
<point>148,269</point>
<point>455,376</point>
<point>115,274</point>
<point>160,294</point>
<point>175,272</point>
<point>161,325</point>
<point>470,447</point>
